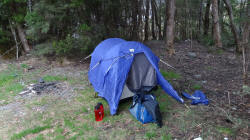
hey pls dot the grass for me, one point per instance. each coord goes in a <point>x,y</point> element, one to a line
<point>74,119</point>
<point>150,135</point>
<point>40,137</point>
<point>166,137</point>
<point>224,130</point>
<point>9,83</point>
<point>50,78</point>
<point>196,87</point>
<point>170,75</point>
<point>26,132</point>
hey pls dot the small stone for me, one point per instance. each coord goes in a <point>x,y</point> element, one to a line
<point>41,80</point>
<point>197,76</point>
<point>204,82</point>
<point>231,50</point>
<point>2,101</point>
<point>192,54</point>
<point>199,138</point>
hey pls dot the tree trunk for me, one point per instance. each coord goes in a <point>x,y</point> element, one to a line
<point>15,38</point>
<point>139,18</point>
<point>160,30</point>
<point>22,37</point>
<point>154,8</point>
<point>200,18</point>
<point>187,16</point>
<point>153,21</point>
<point>233,27</point>
<point>245,46</point>
<point>165,20</point>
<point>135,21</point>
<point>146,20</point>
<point>170,26</point>
<point>245,52</point>
<point>216,29</point>
<point>206,18</point>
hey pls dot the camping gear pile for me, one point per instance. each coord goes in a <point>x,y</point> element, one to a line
<point>146,109</point>
<point>120,69</point>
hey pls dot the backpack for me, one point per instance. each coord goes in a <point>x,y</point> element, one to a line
<point>146,109</point>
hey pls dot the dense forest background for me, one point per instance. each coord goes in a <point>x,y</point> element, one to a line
<point>66,27</point>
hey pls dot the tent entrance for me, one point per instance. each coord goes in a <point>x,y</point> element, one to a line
<point>141,77</point>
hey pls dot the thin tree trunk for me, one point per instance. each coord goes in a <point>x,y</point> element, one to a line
<point>15,38</point>
<point>160,30</point>
<point>165,20</point>
<point>186,20</point>
<point>216,31</point>
<point>153,21</point>
<point>206,18</point>
<point>22,37</point>
<point>200,18</point>
<point>233,27</point>
<point>170,26</point>
<point>154,7</point>
<point>135,21</point>
<point>245,53</point>
<point>245,46</point>
<point>146,20</point>
<point>139,18</point>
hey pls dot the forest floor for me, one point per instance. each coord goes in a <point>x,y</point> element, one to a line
<point>67,111</point>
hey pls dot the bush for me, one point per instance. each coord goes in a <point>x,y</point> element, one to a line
<point>207,40</point>
<point>81,42</point>
<point>44,49</point>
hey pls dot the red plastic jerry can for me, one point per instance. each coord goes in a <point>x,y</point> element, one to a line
<point>99,112</point>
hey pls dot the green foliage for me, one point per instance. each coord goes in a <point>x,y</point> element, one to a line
<point>37,25</point>
<point>166,137</point>
<point>227,39</point>
<point>29,131</point>
<point>25,66</point>
<point>196,87</point>
<point>224,130</point>
<point>150,135</point>
<point>170,75</point>
<point>4,37</point>
<point>246,89</point>
<point>44,49</point>
<point>207,40</point>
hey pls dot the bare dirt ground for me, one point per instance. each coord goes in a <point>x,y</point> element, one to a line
<point>68,112</point>
<point>219,72</point>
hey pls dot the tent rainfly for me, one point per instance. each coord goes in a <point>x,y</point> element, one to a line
<point>120,68</point>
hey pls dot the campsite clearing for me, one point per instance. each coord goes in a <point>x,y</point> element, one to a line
<point>70,113</point>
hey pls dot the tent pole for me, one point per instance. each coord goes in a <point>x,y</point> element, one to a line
<point>85,58</point>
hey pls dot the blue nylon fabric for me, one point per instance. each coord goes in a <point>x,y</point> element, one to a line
<point>110,63</point>
<point>197,98</point>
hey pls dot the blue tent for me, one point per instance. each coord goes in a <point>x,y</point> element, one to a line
<point>110,64</point>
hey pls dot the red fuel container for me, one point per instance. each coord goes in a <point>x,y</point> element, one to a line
<point>99,112</point>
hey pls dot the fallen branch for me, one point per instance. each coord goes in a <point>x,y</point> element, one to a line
<point>7,52</point>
